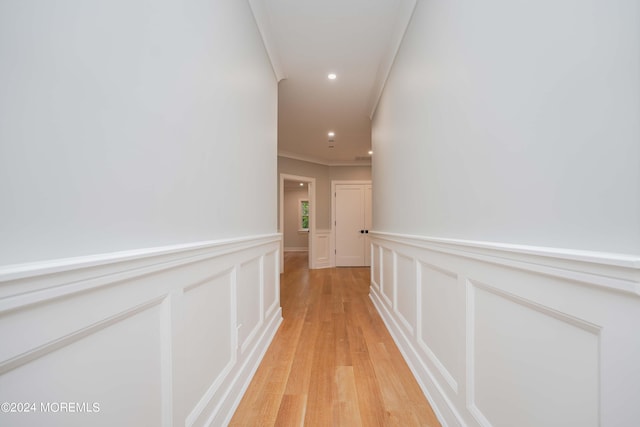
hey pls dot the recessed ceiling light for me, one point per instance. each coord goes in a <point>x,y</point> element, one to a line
<point>370,152</point>
<point>331,134</point>
<point>332,76</point>
<point>301,184</point>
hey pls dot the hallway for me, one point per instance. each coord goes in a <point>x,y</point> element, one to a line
<point>332,361</point>
<point>144,147</point>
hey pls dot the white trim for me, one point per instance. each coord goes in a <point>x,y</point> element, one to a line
<point>605,258</point>
<point>40,268</point>
<point>403,19</point>
<point>595,294</point>
<point>228,407</point>
<point>82,296</point>
<point>26,284</point>
<point>333,212</point>
<point>263,22</point>
<point>620,272</point>
<point>324,162</point>
<point>450,380</point>
<point>8,365</point>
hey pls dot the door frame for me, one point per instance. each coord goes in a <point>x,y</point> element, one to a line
<point>311,190</point>
<point>333,212</point>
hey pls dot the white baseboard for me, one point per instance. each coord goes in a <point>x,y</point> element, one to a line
<point>245,373</point>
<point>184,326</point>
<point>495,332</point>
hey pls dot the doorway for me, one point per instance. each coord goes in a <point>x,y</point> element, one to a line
<point>306,215</point>
<point>352,222</point>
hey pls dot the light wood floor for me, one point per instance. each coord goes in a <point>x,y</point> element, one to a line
<point>332,362</point>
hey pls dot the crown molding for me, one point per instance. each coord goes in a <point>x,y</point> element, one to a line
<point>405,12</point>
<point>324,162</point>
<point>261,16</point>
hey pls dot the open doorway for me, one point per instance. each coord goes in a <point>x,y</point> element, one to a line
<point>296,219</point>
<point>295,229</point>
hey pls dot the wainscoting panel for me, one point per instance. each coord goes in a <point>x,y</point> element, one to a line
<point>406,292</point>
<point>388,282</point>
<point>249,308</point>
<point>375,267</point>
<point>86,368</point>
<point>271,277</point>
<point>566,363</point>
<point>506,335</point>
<point>165,336</point>
<point>206,344</point>
<point>322,252</point>
<point>441,302</point>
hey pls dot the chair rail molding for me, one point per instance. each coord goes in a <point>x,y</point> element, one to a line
<point>158,336</point>
<point>502,334</point>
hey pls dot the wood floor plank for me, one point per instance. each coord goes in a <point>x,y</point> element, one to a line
<point>322,387</point>
<point>342,344</point>
<point>332,362</point>
<point>348,407</point>
<point>370,400</point>
<point>292,410</point>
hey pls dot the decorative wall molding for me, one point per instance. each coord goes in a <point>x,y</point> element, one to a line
<point>323,244</point>
<point>405,13</point>
<point>615,271</point>
<point>67,269</point>
<point>497,326</point>
<point>320,161</point>
<point>261,16</point>
<point>184,325</point>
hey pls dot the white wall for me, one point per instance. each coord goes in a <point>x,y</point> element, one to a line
<point>130,186</point>
<point>506,180</point>
<point>122,124</point>
<point>293,238</point>
<point>514,122</point>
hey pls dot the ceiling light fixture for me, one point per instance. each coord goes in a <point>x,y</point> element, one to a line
<point>332,76</point>
<point>331,134</point>
<point>370,152</point>
<point>301,184</point>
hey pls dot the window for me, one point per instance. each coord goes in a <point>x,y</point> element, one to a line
<point>304,214</point>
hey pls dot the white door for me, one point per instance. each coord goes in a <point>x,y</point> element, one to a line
<point>352,224</point>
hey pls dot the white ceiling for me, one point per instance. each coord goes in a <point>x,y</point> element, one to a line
<point>306,40</point>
